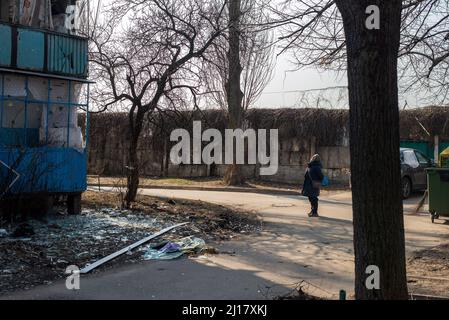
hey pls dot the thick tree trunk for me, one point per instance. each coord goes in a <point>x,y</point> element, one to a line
<point>133,166</point>
<point>374,134</point>
<point>234,93</point>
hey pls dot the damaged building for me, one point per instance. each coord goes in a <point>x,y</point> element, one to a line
<point>43,86</point>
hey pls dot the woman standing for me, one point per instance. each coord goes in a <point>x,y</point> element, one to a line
<point>312,183</point>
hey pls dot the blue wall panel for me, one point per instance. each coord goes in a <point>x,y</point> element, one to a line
<point>5,47</point>
<point>13,137</point>
<point>67,55</point>
<point>64,55</point>
<point>46,170</point>
<point>30,49</point>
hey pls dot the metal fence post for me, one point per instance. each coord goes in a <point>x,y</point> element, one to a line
<point>69,109</point>
<point>26,110</point>
<point>48,111</point>
<point>2,101</point>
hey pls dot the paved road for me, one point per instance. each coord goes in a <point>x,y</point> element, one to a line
<point>292,248</point>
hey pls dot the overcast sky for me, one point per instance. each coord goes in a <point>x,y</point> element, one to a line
<point>287,87</point>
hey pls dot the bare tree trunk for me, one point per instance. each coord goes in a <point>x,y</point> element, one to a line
<point>374,134</point>
<point>234,93</point>
<point>133,166</point>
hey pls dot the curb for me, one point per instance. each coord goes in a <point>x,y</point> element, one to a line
<point>199,188</point>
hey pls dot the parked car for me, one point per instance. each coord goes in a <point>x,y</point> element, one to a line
<point>413,170</point>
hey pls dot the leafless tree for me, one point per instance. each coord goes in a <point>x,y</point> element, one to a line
<point>146,55</point>
<point>312,31</point>
<point>332,34</point>
<point>256,57</point>
<point>424,52</point>
<point>239,68</point>
<point>234,94</point>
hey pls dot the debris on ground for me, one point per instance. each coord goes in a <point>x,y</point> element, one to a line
<point>44,248</point>
<point>208,221</point>
<point>174,250</point>
<point>298,293</point>
<point>129,249</point>
<point>3,233</point>
<point>23,230</point>
<point>428,272</point>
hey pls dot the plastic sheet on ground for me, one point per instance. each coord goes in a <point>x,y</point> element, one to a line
<point>174,250</point>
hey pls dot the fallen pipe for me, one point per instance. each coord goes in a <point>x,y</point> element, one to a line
<point>91,267</point>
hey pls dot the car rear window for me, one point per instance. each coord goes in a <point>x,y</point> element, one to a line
<point>421,158</point>
<point>410,159</point>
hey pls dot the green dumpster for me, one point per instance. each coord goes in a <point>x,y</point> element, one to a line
<point>444,159</point>
<point>438,179</point>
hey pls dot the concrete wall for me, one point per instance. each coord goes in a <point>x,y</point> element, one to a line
<point>336,161</point>
<point>303,132</point>
<point>108,157</point>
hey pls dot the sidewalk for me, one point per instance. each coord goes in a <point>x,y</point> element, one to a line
<point>331,196</point>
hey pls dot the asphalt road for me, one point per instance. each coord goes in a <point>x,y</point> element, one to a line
<point>292,248</point>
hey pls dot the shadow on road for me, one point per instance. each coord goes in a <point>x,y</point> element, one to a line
<point>188,279</point>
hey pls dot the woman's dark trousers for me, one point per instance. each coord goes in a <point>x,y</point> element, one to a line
<point>314,204</point>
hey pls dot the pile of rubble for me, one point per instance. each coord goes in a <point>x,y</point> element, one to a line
<point>38,252</point>
<point>427,272</point>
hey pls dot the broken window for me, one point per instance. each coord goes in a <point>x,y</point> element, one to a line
<point>64,16</point>
<point>39,111</point>
<point>422,159</point>
<point>410,159</point>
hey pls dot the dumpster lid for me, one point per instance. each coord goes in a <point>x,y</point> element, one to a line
<point>445,152</point>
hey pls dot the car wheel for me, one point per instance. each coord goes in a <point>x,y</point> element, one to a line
<point>406,188</point>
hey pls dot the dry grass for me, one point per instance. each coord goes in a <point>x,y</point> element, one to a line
<point>209,183</point>
<point>148,182</point>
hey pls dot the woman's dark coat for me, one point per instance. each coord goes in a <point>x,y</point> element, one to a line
<point>314,171</point>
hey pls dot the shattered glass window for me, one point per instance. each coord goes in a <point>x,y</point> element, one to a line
<point>64,16</point>
<point>410,159</point>
<point>423,160</point>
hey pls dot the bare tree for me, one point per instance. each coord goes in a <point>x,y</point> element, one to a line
<point>312,31</point>
<point>256,56</point>
<point>333,35</point>
<point>424,52</point>
<point>374,132</point>
<point>239,67</point>
<point>147,55</point>
<point>234,94</point>
<point>330,34</point>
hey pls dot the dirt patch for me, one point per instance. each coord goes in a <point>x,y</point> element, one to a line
<point>301,292</point>
<point>208,221</point>
<point>59,240</point>
<point>298,295</point>
<point>428,272</point>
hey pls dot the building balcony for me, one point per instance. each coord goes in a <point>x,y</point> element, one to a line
<point>43,51</point>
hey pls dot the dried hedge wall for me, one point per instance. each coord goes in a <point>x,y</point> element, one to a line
<point>109,134</point>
